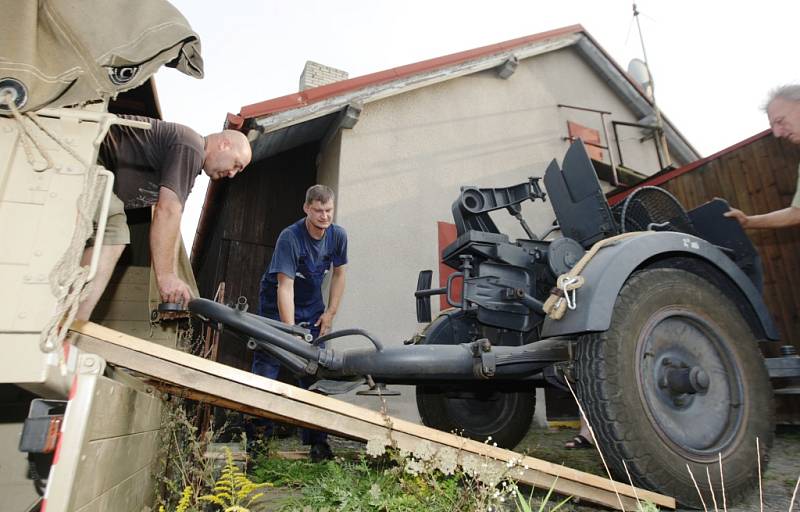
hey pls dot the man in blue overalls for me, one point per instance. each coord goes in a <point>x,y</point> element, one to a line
<point>291,288</point>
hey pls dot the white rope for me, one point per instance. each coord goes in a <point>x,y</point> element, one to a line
<point>74,154</point>
<point>68,277</point>
<point>563,296</point>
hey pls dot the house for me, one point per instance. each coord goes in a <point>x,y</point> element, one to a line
<point>397,145</point>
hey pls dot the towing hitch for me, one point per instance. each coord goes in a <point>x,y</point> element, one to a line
<point>408,364</point>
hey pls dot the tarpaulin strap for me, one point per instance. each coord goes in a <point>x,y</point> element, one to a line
<point>563,295</point>
<point>26,137</point>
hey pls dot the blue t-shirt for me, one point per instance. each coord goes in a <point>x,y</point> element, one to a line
<point>306,260</point>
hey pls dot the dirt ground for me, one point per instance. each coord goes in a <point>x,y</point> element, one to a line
<point>778,483</point>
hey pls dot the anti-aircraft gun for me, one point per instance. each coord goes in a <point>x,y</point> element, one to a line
<point>651,314</point>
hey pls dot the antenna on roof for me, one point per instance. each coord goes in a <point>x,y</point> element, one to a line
<point>645,79</point>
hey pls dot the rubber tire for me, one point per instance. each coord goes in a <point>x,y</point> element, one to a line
<point>506,422</point>
<point>610,384</point>
<point>478,418</point>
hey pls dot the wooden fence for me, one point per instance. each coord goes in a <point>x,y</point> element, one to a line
<point>758,175</point>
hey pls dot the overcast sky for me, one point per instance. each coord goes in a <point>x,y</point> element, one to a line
<point>713,61</point>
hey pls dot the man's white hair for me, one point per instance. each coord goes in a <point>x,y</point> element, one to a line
<point>789,92</point>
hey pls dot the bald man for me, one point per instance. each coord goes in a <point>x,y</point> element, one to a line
<point>158,167</point>
<point>783,112</point>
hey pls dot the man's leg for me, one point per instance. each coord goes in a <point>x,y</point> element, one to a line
<point>320,450</point>
<point>307,435</point>
<point>317,439</point>
<point>108,260</point>
<point>116,237</point>
<point>582,440</point>
<point>266,366</point>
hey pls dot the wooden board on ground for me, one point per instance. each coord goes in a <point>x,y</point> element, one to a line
<point>217,383</point>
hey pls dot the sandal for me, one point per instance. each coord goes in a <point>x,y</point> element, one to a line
<point>578,443</point>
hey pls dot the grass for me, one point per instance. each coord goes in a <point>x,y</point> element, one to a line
<point>386,483</point>
<point>354,482</point>
<point>549,445</point>
<point>287,473</point>
<point>389,483</point>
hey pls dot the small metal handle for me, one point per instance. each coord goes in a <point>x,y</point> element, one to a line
<point>101,223</point>
<point>447,294</point>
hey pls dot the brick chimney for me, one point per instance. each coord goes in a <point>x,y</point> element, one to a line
<point>315,74</point>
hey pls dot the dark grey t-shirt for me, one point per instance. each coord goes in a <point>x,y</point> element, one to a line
<point>167,155</point>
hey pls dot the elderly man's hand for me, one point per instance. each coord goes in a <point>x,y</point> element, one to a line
<point>739,215</point>
<point>325,322</point>
<point>173,289</point>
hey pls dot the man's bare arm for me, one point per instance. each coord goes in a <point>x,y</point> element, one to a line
<point>325,321</point>
<point>164,233</point>
<point>778,219</point>
<point>286,298</point>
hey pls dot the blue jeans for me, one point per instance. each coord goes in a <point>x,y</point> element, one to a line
<point>267,366</point>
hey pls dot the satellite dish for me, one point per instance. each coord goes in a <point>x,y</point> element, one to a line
<point>638,71</point>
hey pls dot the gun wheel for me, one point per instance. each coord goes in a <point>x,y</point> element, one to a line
<point>503,416</point>
<point>677,380</point>
<point>502,411</point>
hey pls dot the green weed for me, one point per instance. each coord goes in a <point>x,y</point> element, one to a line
<point>233,491</point>
<point>392,482</point>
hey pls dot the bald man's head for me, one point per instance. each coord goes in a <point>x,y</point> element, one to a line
<point>227,153</point>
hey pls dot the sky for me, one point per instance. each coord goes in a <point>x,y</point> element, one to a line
<point>712,61</point>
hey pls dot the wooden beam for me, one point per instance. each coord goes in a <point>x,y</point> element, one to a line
<point>266,397</point>
<point>211,399</point>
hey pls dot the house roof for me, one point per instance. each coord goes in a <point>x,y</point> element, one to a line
<point>309,96</point>
<point>271,122</point>
<point>282,123</point>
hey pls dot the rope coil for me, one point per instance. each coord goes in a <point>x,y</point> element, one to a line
<point>564,295</point>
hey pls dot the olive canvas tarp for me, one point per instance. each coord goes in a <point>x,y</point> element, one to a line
<point>56,53</point>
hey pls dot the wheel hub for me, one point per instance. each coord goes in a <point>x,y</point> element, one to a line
<point>678,379</point>
<point>688,381</point>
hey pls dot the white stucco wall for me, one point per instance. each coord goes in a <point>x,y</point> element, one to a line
<point>401,167</point>
<point>329,163</point>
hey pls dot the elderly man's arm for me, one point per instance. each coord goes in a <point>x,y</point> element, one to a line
<point>164,233</point>
<point>334,298</point>
<point>778,219</point>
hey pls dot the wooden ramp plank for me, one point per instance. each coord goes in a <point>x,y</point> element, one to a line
<point>230,387</point>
